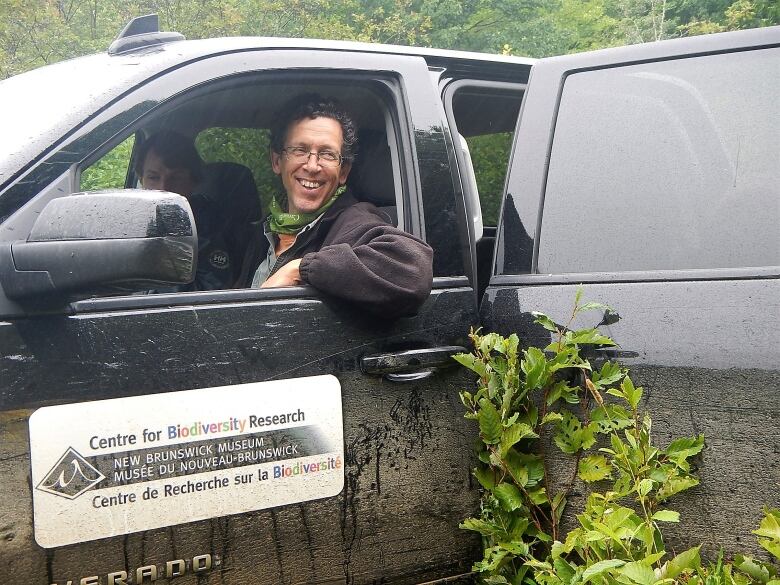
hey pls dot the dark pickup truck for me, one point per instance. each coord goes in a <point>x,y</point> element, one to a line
<point>250,436</point>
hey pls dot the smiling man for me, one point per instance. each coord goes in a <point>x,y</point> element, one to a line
<point>319,234</point>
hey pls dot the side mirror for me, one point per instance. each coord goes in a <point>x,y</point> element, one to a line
<point>125,237</point>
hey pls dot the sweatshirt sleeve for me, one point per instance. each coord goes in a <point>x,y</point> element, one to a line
<point>383,269</point>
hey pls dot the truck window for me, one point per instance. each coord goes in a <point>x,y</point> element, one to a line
<point>490,157</point>
<point>228,124</point>
<point>485,114</point>
<point>666,165</point>
<point>110,171</point>
<point>245,146</point>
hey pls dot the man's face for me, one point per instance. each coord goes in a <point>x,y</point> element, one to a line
<point>158,176</point>
<point>310,184</point>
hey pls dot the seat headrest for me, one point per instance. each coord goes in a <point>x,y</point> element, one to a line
<point>371,178</point>
<point>232,186</point>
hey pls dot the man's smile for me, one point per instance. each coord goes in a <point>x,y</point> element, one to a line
<point>309,184</point>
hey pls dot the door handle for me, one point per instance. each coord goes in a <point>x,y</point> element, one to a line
<point>412,361</point>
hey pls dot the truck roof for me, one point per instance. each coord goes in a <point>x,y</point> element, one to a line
<point>46,103</point>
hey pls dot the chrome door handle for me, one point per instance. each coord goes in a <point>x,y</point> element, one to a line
<point>413,361</point>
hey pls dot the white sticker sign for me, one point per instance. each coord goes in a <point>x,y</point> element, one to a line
<point>113,467</point>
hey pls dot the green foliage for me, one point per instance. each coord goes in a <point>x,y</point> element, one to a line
<point>39,32</point>
<point>769,532</point>
<point>529,400</point>
<point>247,146</point>
<point>110,172</point>
<point>490,157</point>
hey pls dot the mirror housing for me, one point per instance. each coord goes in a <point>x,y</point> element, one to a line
<point>124,237</point>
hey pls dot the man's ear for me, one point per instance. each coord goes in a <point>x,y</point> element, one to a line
<point>276,162</point>
<point>344,172</point>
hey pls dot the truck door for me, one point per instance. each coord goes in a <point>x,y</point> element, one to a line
<point>407,482</point>
<point>649,175</point>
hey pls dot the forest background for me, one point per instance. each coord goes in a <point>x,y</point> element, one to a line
<point>39,32</point>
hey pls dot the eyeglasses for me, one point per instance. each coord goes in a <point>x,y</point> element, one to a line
<point>299,154</point>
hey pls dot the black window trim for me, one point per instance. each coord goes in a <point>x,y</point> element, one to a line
<point>183,300</point>
<point>638,276</point>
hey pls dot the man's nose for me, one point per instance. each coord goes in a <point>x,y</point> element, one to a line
<point>312,162</point>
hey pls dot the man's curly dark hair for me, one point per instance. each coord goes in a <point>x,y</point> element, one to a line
<point>314,106</point>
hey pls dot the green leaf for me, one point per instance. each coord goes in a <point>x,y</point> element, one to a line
<point>611,417</point>
<point>525,463</point>
<point>490,342</point>
<point>632,394</point>
<point>675,485</point>
<point>601,567</point>
<point>489,422</point>
<point>544,321</point>
<point>639,573</point>
<point>595,536</point>
<point>568,436</point>
<point>609,374</point>
<point>644,487</point>
<point>493,386</point>
<point>666,516</point>
<point>590,306</point>
<point>538,565</point>
<point>552,417</point>
<point>495,579</point>
<point>520,475</point>
<point>482,526</point>
<point>685,447</point>
<point>770,525</point>
<point>563,390</point>
<point>510,387</point>
<point>593,468</point>
<point>559,505</point>
<point>508,496</point>
<point>590,337</point>
<point>472,363</point>
<point>534,367</point>
<point>485,477</point>
<point>515,433</point>
<point>753,568</point>
<point>769,532</point>
<point>515,547</point>
<point>620,519</point>
<point>650,560</point>
<point>689,560</point>
<point>538,496</point>
<point>492,560</point>
<point>564,570</point>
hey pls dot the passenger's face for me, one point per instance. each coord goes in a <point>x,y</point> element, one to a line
<point>309,184</point>
<point>158,176</point>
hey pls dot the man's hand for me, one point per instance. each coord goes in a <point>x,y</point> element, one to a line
<point>287,275</point>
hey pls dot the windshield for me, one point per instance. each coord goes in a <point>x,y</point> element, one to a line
<point>41,106</point>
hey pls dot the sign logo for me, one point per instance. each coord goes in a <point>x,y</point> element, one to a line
<point>219,259</point>
<point>71,476</point>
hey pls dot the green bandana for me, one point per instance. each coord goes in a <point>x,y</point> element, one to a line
<point>282,222</point>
